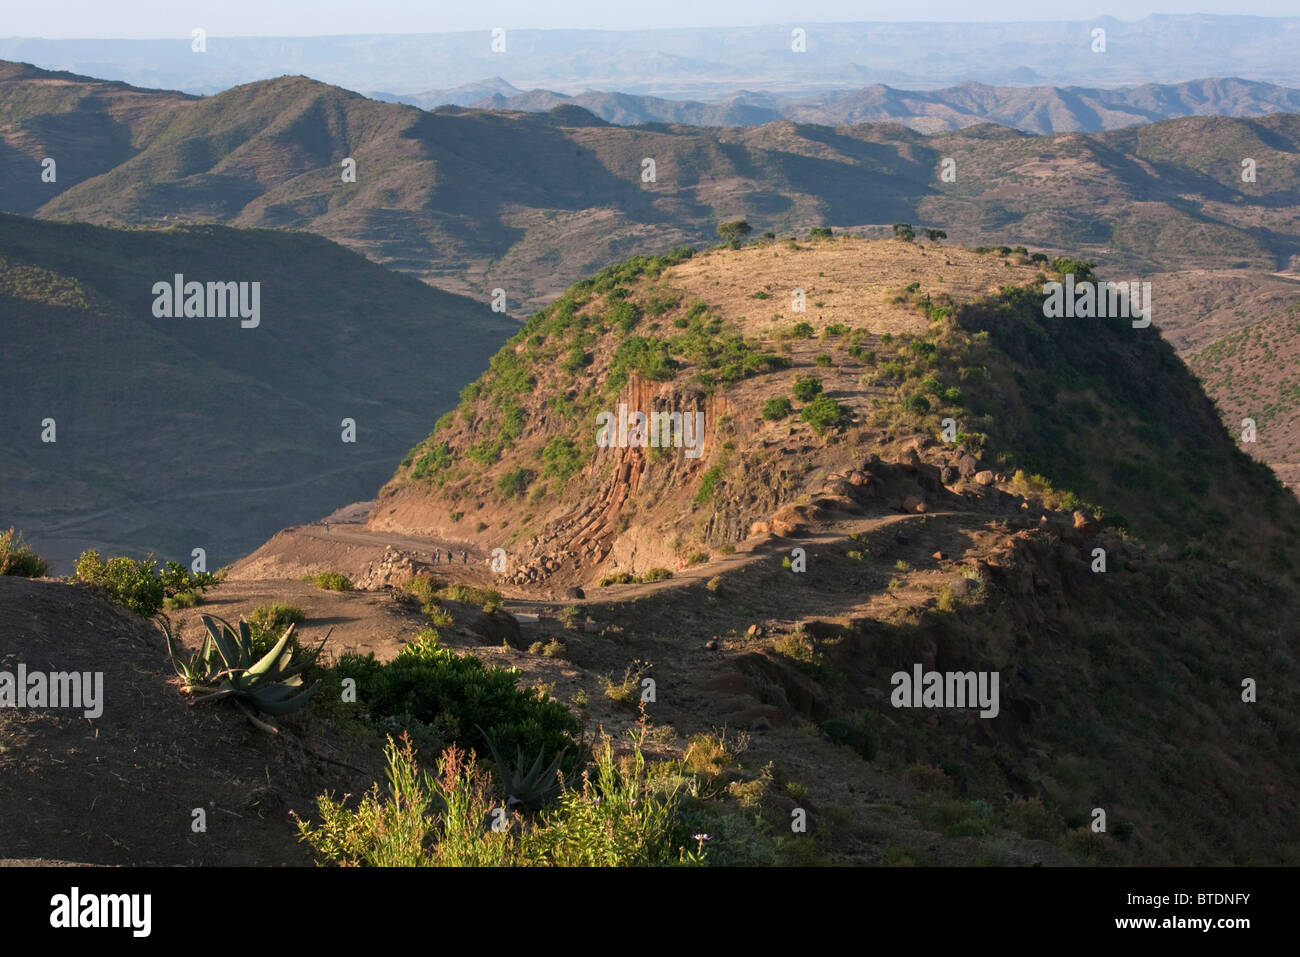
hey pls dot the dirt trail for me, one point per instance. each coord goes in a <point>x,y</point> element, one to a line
<point>746,553</point>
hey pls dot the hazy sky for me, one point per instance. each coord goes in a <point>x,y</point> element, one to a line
<point>175,18</point>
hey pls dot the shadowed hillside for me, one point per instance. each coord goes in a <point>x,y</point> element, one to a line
<point>176,433</point>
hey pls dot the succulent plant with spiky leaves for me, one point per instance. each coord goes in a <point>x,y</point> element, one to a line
<point>531,789</point>
<point>229,664</point>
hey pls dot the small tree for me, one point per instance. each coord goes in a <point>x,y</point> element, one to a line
<point>820,232</point>
<point>934,235</point>
<point>904,231</point>
<point>734,231</point>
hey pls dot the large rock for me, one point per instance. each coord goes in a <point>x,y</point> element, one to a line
<point>1084,523</point>
<point>967,466</point>
<point>984,478</point>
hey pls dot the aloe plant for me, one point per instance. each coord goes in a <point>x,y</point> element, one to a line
<point>533,788</point>
<point>228,663</point>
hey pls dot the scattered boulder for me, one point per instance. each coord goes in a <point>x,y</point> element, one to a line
<point>984,478</point>
<point>1084,523</point>
<point>914,503</point>
<point>967,466</point>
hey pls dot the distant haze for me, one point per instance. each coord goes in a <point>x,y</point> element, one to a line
<point>703,63</point>
<point>156,19</point>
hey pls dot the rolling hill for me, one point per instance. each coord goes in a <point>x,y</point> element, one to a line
<point>1091,533</point>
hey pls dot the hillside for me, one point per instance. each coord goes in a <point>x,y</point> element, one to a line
<point>1121,688</point>
<point>86,126</point>
<point>174,433</point>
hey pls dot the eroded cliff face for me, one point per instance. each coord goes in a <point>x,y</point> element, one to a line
<point>621,510</point>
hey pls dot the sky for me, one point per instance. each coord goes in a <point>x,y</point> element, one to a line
<point>142,19</point>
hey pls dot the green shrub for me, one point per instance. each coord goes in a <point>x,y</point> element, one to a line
<point>132,584</point>
<point>576,358</point>
<point>183,599</point>
<point>562,458</point>
<point>857,731</point>
<point>515,482</point>
<point>485,452</point>
<point>1082,270</point>
<point>625,315</point>
<point>805,390</point>
<point>823,413</point>
<point>332,581</point>
<point>824,360</point>
<point>455,695</point>
<point>778,408</point>
<point>488,599</point>
<point>917,403</point>
<point>802,330</point>
<point>18,558</point>
<point>708,484</point>
<point>433,461</point>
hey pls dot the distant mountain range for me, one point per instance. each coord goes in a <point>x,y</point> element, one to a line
<point>1034,109</point>
<point>474,200</point>
<point>714,62</point>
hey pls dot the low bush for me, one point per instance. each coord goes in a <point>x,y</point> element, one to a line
<point>621,816</point>
<point>776,409</point>
<point>823,413</point>
<point>18,558</point>
<point>805,390</point>
<point>332,581</point>
<point>442,695</point>
<point>132,584</point>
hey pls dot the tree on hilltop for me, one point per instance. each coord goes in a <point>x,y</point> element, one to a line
<point>734,231</point>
